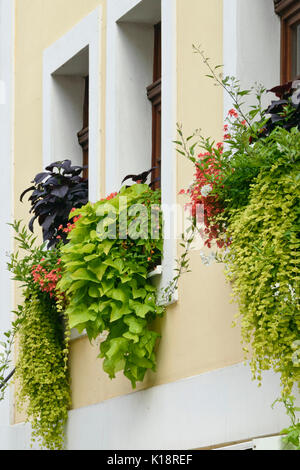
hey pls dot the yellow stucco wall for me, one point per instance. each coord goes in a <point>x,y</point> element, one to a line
<point>196,332</point>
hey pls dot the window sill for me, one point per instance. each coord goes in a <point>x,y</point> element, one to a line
<point>76,335</point>
<point>156,272</point>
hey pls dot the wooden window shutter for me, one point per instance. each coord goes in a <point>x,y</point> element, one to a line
<point>83,134</point>
<point>154,95</point>
<point>289,12</point>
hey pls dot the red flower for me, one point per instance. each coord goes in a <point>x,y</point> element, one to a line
<point>46,280</point>
<point>207,173</point>
<point>232,112</point>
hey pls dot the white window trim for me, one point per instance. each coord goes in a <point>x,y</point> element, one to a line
<point>84,34</point>
<point>229,47</point>
<point>115,11</point>
<point>238,53</point>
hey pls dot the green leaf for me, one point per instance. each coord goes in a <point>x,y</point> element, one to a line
<point>86,249</point>
<point>98,268</point>
<point>118,312</point>
<point>140,309</point>
<point>115,263</point>
<point>83,274</point>
<point>136,325</point>
<point>79,315</point>
<point>94,292</point>
<point>131,336</point>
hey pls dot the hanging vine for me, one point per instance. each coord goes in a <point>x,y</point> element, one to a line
<point>248,186</point>
<point>41,366</point>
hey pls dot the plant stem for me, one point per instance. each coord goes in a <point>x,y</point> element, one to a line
<point>7,378</point>
<point>220,82</point>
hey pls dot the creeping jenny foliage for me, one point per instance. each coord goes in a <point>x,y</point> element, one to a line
<point>105,280</point>
<point>40,369</point>
<point>250,186</point>
<point>43,388</point>
<point>263,260</point>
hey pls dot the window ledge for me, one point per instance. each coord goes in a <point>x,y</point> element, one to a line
<point>157,271</point>
<point>75,334</point>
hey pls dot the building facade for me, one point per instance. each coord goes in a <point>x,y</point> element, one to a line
<point>143,78</point>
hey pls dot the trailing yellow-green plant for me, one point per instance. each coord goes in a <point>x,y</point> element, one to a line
<point>43,385</point>
<point>263,261</point>
<point>249,189</point>
<point>41,369</point>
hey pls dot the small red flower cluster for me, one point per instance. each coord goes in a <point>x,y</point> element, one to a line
<point>110,196</point>
<point>203,191</point>
<point>69,226</point>
<point>226,135</point>
<point>210,202</point>
<point>47,280</point>
<point>233,113</point>
<point>207,175</point>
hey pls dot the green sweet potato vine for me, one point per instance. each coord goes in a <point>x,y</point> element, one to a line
<point>106,265</point>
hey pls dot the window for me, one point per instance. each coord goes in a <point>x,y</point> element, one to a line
<point>130,142</point>
<point>66,109</point>
<point>83,134</point>
<point>289,11</point>
<point>154,95</point>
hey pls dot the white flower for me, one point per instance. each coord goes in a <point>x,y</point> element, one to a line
<point>205,190</point>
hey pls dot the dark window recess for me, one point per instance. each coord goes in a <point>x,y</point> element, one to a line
<point>154,95</point>
<point>83,135</point>
<point>289,12</point>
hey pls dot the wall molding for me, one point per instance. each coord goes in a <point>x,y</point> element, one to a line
<point>210,409</point>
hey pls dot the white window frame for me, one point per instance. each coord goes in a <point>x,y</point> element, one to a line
<point>84,34</point>
<point>116,9</point>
